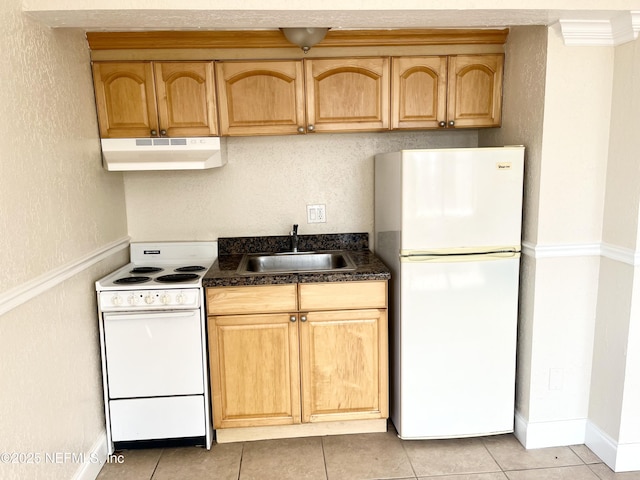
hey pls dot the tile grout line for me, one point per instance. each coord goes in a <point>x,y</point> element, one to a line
<point>241,457</point>
<point>324,458</point>
<point>402,442</point>
<point>157,463</point>
<point>492,457</point>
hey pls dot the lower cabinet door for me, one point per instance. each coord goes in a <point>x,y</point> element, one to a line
<point>157,418</point>
<point>343,358</point>
<point>255,379</point>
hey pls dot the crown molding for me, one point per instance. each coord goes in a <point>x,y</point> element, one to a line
<point>604,33</point>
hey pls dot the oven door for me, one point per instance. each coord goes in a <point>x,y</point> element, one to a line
<point>153,354</point>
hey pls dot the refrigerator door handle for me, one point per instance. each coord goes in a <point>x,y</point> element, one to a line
<point>460,257</point>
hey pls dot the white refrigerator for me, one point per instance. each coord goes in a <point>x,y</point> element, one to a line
<point>448,223</point>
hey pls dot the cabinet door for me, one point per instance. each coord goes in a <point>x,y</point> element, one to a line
<point>346,94</point>
<point>186,99</point>
<point>260,98</point>
<point>125,99</point>
<point>419,94</point>
<point>343,358</point>
<point>475,90</point>
<point>255,379</point>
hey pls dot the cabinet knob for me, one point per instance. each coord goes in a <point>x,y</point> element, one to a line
<point>451,123</point>
<point>300,129</point>
<point>311,128</point>
<point>303,318</point>
<point>163,132</point>
<point>442,124</point>
<point>154,133</point>
<point>292,318</point>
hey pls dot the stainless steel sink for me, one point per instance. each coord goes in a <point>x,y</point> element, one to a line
<point>296,262</point>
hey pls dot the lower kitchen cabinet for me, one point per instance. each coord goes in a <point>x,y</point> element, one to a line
<point>320,361</point>
<point>343,365</point>
<point>254,370</point>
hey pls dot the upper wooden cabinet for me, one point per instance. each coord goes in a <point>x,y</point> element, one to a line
<point>454,91</point>
<point>347,94</point>
<point>261,98</point>
<point>268,98</point>
<point>147,99</point>
<point>475,90</point>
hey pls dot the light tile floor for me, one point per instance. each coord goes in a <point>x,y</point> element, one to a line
<point>365,457</point>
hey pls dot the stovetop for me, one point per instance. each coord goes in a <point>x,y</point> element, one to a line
<point>162,265</point>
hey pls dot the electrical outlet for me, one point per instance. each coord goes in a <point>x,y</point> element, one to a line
<point>316,214</point>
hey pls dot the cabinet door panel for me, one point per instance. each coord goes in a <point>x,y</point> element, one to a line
<point>260,98</point>
<point>343,363</point>
<point>186,98</point>
<point>348,94</point>
<point>125,99</point>
<point>255,378</point>
<point>419,98</point>
<point>475,90</point>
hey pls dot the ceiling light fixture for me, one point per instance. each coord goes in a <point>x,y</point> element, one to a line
<point>305,38</point>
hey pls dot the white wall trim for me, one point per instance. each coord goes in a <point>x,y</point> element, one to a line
<point>28,290</point>
<point>623,457</point>
<point>613,252</point>
<point>557,433</point>
<point>606,33</point>
<point>561,250</point>
<point>94,461</point>
<point>621,254</point>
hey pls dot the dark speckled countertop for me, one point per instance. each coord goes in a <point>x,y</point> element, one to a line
<point>231,250</point>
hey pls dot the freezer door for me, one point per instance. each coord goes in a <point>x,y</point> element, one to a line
<point>457,348</point>
<point>459,198</point>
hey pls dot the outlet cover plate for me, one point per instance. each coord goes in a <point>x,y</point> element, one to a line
<point>316,213</point>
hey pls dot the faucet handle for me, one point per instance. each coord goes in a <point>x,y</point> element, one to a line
<point>295,229</point>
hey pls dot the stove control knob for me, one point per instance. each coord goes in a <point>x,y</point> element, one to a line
<point>131,299</point>
<point>149,299</point>
<point>116,300</point>
<point>165,299</point>
<point>180,298</point>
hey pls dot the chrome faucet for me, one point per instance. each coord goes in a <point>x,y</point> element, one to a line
<point>294,238</point>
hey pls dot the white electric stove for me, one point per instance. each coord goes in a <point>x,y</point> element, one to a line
<point>153,343</point>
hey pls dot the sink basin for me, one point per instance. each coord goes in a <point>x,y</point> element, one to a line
<point>296,262</point>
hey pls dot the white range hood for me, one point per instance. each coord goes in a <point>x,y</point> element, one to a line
<point>191,153</point>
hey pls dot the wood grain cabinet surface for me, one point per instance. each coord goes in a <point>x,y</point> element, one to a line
<point>303,96</point>
<point>149,99</point>
<point>457,91</point>
<point>290,366</point>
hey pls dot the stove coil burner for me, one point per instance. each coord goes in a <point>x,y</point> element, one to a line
<point>146,270</point>
<point>177,277</point>
<point>190,268</point>
<point>131,280</point>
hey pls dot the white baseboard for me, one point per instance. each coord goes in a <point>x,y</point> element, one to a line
<point>619,457</point>
<point>95,459</point>
<point>550,434</point>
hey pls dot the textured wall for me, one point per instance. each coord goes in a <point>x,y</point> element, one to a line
<point>56,201</point>
<point>57,206</point>
<point>268,182</point>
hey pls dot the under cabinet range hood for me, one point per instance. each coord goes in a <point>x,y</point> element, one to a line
<point>192,153</point>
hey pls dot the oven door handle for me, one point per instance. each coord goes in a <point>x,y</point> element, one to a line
<point>147,315</point>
